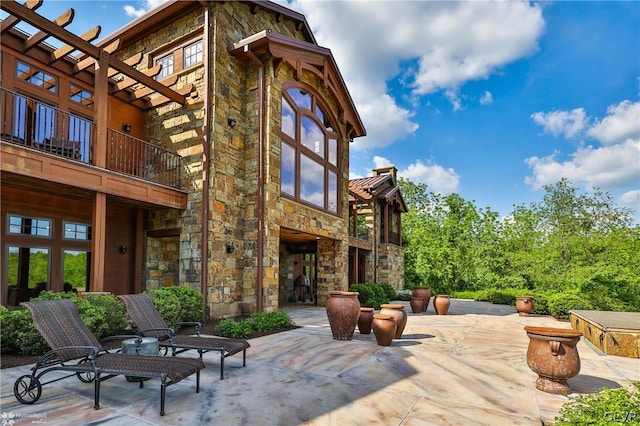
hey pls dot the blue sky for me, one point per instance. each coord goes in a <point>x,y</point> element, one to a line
<point>492,100</point>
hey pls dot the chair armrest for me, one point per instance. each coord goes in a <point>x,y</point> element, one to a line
<point>170,332</point>
<point>119,338</point>
<point>195,324</point>
<point>51,357</point>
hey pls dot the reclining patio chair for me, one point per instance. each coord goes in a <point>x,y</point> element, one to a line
<point>150,324</point>
<point>75,349</point>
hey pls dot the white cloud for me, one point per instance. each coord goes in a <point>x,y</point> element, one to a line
<point>622,123</point>
<point>486,99</point>
<point>632,198</point>
<point>605,167</point>
<point>146,6</point>
<point>611,164</point>
<point>437,178</point>
<point>446,43</point>
<point>566,123</point>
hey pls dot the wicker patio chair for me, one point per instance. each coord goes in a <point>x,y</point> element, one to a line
<point>149,322</point>
<point>76,350</point>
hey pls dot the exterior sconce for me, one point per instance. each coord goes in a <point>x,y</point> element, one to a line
<point>126,127</point>
<point>122,249</point>
<point>231,122</point>
<point>230,248</point>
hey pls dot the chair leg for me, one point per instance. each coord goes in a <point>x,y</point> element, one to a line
<point>198,382</point>
<point>163,393</point>
<point>221,366</point>
<point>96,392</point>
<point>244,358</point>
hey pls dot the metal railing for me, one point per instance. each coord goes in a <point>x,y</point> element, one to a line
<point>36,125</point>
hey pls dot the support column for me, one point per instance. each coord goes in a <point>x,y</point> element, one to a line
<point>98,241</point>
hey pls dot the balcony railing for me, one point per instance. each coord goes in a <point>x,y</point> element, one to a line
<point>33,124</point>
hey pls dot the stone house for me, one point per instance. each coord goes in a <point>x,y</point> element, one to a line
<point>203,144</point>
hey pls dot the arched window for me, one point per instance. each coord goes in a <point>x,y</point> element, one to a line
<point>309,155</point>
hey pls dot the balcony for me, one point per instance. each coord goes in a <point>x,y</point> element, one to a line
<point>29,123</point>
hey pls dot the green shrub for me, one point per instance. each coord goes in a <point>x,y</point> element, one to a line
<point>540,305</point>
<point>266,321</point>
<point>229,327</point>
<point>191,302</point>
<point>114,320</point>
<point>560,304</point>
<point>19,334</point>
<point>404,295</point>
<point>605,407</point>
<point>256,322</point>
<point>470,295</point>
<point>388,291</point>
<point>167,304</point>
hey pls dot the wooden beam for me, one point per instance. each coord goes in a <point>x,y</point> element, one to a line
<point>32,18</point>
<point>11,21</point>
<point>132,61</point>
<point>128,82</point>
<point>90,35</point>
<point>161,100</point>
<point>62,21</point>
<point>87,62</point>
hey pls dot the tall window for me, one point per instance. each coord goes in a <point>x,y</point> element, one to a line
<point>309,154</point>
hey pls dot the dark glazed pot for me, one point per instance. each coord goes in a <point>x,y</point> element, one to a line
<point>553,355</point>
<point>423,292</point>
<point>384,328</point>
<point>524,305</point>
<point>365,320</point>
<point>441,304</point>
<point>343,310</point>
<point>400,315</point>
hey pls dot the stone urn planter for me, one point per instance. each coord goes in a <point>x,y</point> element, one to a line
<point>441,303</point>
<point>384,328</point>
<point>399,314</point>
<point>423,292</point>
<point>343,310</point>
<point>417,305</point>
<point>365,320</point>
<point>553,355</point>
<point>524,305</point>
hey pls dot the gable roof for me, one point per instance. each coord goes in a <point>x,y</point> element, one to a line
<point>382,187</point>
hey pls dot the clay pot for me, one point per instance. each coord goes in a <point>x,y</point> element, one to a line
<point>365,320</point>
<point>384,328</point>
<point>417,305</point>
<point>524,305</point>
<point>343,310</point>
<point>423,292</point>
<point>399,314</point>
<point>441,304</point>
<point>553,355</point>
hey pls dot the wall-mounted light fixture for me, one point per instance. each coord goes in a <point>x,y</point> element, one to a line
<point>231,122</point>
<point>122,249</point>
<point>230,248</point>
<point>126,127</point>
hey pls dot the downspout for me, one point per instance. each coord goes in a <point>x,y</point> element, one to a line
<point>206,150</point>
<point>260,207</point>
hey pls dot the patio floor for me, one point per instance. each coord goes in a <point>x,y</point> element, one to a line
<point>465,368</point>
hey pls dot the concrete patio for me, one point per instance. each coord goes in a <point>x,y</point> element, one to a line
<point>465,368</point>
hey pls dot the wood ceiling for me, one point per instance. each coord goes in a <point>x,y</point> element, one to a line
<point>126,81</point>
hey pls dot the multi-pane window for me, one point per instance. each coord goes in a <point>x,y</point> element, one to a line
<point>76,231</point>
<point>81,96</point>
<point>309,151</point>
<point>29,226</point>
<point>179,57</point>
<point>37,77</point>
<point>192,54</point>
<point>167,66</point>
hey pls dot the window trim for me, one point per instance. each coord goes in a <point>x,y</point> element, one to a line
<point>329,133</point>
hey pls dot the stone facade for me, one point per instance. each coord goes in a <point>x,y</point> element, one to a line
<point>230,87</point>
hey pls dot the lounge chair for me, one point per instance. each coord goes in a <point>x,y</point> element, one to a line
<point>75,349</point>
<point>149,322</point>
